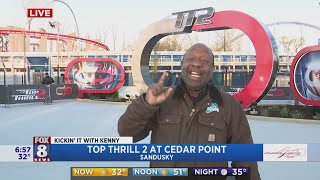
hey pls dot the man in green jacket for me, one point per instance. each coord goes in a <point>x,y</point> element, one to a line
<point>194,112</point>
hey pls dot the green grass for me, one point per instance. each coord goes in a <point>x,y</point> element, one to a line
<point>297,114</point>
<point>264,112</point>
<point>284,112</point>
<point>276,108</point>
<point>317,117</point>
<point>113,99</point>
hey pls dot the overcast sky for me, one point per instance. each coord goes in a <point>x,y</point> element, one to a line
<point>132,16</point>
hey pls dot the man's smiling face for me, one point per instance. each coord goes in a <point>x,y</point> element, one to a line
<point>197,67</point>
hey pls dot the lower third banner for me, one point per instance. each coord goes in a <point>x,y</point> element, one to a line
<point>151,152</point>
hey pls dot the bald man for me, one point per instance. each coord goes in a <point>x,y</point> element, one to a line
<point>194,112</point>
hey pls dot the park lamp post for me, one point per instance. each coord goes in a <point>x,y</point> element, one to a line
<point>56,24</point>
<point>226,76</point>
<point>25,63</point>
<point>24,58</point>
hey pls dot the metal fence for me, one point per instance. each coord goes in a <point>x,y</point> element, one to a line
<point>18,79</point>
<point>240,79</point>
<point>11,79</point>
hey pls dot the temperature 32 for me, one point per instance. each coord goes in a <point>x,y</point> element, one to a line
<point>23,156</point>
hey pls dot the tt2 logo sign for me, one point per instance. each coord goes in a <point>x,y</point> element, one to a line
<point>202,19</point>
<point>262,40</point>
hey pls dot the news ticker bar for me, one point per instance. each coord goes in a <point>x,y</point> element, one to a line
<point>45,149</point>
<point>134,171</point>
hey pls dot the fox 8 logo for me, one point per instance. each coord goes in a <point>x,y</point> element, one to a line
<point>41,149</point>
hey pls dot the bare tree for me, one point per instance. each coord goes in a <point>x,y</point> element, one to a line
<point>224,41</point>
<point>4,40</point>
<point>109,34</point>
<point>188,40</point>
<point>298,44</point>
<point>129,46</point>
<point>209,37</point>
<point>87,36</point>
<point>287,43</point>
<point>103,34</point>
<point>155,60</point>
<point>221,41</point>
<point>114,32</point>
<point>238,45</point>
<point>169,43</point>
<point>123,40</point>
<point>1,43</point>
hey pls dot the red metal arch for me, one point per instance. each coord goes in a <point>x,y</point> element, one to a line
<point>267,60</point>
<point>52,36</point>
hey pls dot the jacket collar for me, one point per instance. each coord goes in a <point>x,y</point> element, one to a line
<point>210,89</point>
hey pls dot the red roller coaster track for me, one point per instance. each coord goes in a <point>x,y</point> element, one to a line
<point>53,36</point>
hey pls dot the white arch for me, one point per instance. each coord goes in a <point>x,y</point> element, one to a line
<point>282,23</point>
<point>294,23</point>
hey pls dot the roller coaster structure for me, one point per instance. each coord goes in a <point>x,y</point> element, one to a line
<point>279,24</point>
<point>53,36</point>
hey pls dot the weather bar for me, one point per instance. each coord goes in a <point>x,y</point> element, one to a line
<point>144,171</point>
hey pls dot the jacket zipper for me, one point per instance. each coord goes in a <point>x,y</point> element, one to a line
<point>192,111</point>
<point>176,164</point>
<point>185,133</point>
<point>191,119</point>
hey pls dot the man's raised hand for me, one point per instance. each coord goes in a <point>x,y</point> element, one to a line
<point>156,93</point>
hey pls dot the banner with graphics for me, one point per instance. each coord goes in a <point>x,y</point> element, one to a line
<point>14,94</point>
<point>3,94</point>
<point>95,75</point>
<point>64,91</point>
<point>27,93</point>
<point>305,75</point>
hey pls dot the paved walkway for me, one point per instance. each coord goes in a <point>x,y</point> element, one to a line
<point>19,123</point>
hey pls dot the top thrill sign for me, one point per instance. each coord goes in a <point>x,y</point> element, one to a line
<point>202,19</point>
<point>262,40</point>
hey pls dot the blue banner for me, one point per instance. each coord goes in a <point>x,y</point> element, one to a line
<point>156,152</point>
